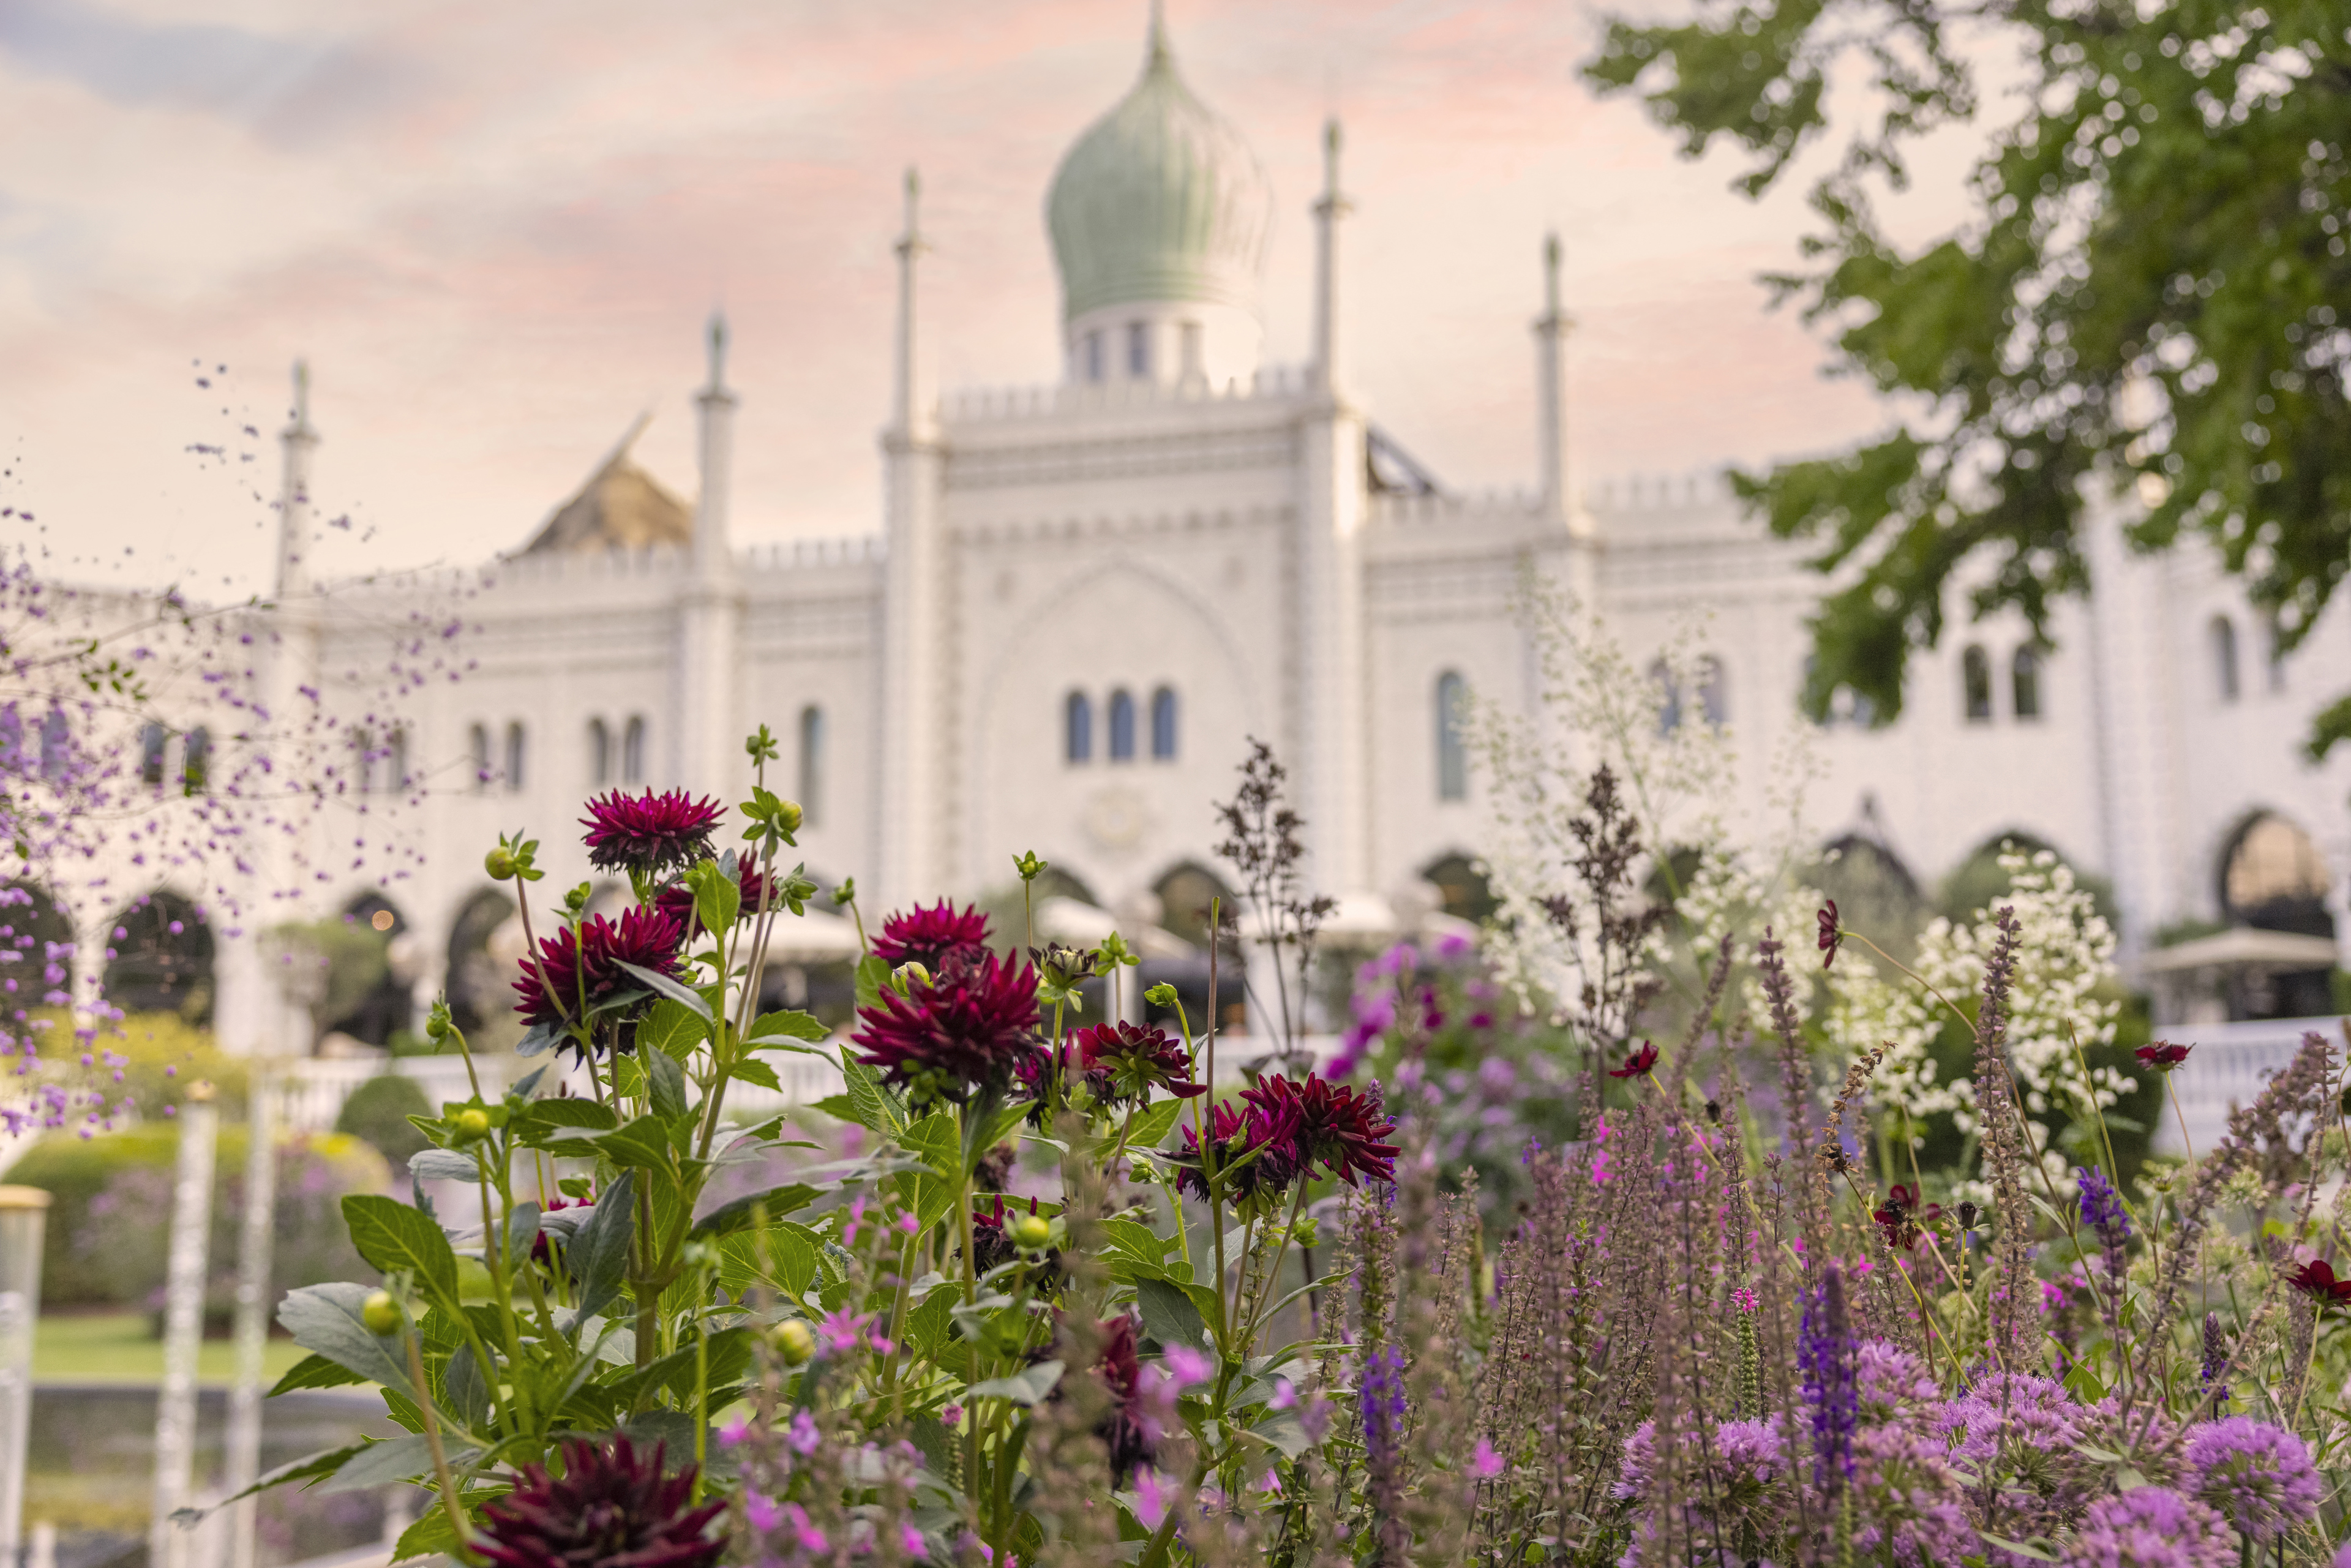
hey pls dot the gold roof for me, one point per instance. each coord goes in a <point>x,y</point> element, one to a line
<point>620,506</point>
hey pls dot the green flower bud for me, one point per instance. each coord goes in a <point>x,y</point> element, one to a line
<point>1162,995</point>
<point>473,1124</point>
<point>1031,1231</point>
<point>380,1313</point>
<point>437,1023</point>
<point>794,1340</point>
<point>501,864</point>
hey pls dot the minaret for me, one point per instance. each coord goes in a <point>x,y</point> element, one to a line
<point>709,607</point>
<point>1551,329</point>
<point>294,502</point>
<point>1332,722</point>
<point>911,855</point>
<point>1327,213</point>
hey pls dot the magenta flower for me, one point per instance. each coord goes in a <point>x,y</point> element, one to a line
<point>969,1028</point>
<point>649,834</point>
<point>1127,1428</point>
<point>581,967</point>
<point>844,1331</point>
<point>2258,1476</point>
<point>2150,1527</point>
<point>928,936</point>
<point>611,1508</point>
<point>1256,1152</point>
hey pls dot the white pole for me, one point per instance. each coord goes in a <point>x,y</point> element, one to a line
<point>23,1214</point>
<point>253,1309</point>
<point>183,1327</point>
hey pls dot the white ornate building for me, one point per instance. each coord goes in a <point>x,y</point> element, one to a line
<point>1085,597</point>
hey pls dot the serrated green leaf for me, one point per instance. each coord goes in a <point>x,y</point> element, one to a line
<point>1153,1123</point>
<point>644,1142</point>
<point>325,1320</point>
<point>872,974</point>
<point>671,1029</point>
<point>751,1070</point>
<point>599,1259</point>
<point>788,1024</point>
<point>314,1371</point>
<point>661,985</point>
<point>394,1237</point>
<point>667,1081</point>
<point>1169,1314</point>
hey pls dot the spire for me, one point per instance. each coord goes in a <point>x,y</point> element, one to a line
<point>298,439</point>
<point>1551,329</point>
<point>1155,55</point>
<point>718,352</point>
<point>712,552</point>
<point>1333,206</point>
<point>910,404</point>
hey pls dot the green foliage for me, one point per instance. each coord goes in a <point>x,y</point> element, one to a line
<point>2144,299</point>
<point>109,1213</point>
<point>378,1112</point>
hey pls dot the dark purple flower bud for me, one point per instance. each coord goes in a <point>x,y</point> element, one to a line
<point>1384,1404</point>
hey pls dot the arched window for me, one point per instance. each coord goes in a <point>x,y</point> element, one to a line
<point>151,740</point>
<point>632,752</point>
<point>477,752</point>
<point>1138,348</point>
<point>2277,658</point>
<point>363,762</point>
<point>1093,356</point>
<point>811,764</point>
<point>1078,728</point>
<point>516,755</point>
<point>396,759</point>
<point>1975,683</point>
<point>1713,693</point>
<point>1122,727</point>
<point>2224,657</point>
<point>2024,683</point>
<point>1162,724</point>
<point>196,762</point>
<point>599,754</point>
<point>1668,695</point>
<point>1452,747</point>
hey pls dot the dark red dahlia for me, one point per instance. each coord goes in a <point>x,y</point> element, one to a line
<point>1638,1064</point>
<point>1336,1128</point>
<point>1830,936</point>
<point>1900,1215</point>
<point>2163,1056</point>
<point>584,965</point>
<point>1256,1150</point>
<point>539,1252</point>
<point>676,900</point>
<point>612,1508</point>
<point>989,1244</point>
<point>658,830</point>
<point>1126,1428</point>
<point>970,1028</point>
<point>1127,1061</point>
<point>2316,1278</point>
<point>926,936</point>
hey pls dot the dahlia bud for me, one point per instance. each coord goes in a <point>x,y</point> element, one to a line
<point>501,864</point>
<point>380,1313</point>
<point>789,817</point>
<point>1307,1232</point>
<point>437,1023</point>
<point>473,1124</point>
<point>794,1340</point>
<point>1031,1231</point>
<point>1969,1214</point>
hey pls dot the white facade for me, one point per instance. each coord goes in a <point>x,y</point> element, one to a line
<point>1174,517</point>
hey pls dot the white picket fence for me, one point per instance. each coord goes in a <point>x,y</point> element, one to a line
<point>2227,1067</point>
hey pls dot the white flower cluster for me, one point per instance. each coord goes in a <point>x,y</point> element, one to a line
<point>1677,774</point>
<point>2064,956</point>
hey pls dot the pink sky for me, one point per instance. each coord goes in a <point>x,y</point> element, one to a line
<point>495,232</point>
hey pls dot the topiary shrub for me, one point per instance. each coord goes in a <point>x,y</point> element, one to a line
<point>379,1112</point>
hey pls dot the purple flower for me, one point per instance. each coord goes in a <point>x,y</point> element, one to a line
<point>1889,1380</point>
<point>2103,1212</point>
<point>1826,1353</point>
<point>2150,1527</point>
<point>2256,1474</point>
<point>1384,1404</point>
<point>582,965</point>
<point>2213,1378</point>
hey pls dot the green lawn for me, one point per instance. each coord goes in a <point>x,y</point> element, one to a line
<point>115,1347</point>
